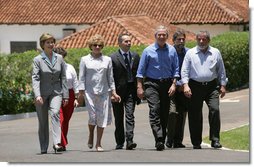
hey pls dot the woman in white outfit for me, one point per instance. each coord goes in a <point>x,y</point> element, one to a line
<point>96,82</point>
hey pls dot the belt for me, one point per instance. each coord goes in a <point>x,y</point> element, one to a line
<point>203,83</point>
<point>159,80</point>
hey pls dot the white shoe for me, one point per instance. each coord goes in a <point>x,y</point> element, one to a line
<point>99,149</point>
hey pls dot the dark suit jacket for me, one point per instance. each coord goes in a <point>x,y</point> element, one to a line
<point>120,73</point>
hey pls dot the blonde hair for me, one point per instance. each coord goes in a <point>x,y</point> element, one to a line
<point>44,37</point>
<point>96,39</point>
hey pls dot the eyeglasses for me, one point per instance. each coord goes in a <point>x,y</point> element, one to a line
<point>95,45</point>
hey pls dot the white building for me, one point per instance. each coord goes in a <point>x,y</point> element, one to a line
<point>23,21</point>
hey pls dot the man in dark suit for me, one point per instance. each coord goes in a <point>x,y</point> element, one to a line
<point>125,64</point>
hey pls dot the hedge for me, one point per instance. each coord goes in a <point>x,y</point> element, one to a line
<point>16,94</point>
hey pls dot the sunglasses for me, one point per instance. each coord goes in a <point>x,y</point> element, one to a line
<point>95,45</point>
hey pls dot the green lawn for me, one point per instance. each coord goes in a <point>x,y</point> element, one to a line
<point>237,139</point>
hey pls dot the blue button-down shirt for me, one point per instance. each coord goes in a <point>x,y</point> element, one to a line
<point>203,67</point>
<point>158,63</point>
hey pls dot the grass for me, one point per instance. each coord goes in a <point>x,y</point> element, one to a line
<point>237,139</point>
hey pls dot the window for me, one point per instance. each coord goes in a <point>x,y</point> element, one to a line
<point>68,31</point>
<point>20,47</point>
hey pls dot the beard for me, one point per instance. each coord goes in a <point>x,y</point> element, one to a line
<point>180,46</point>
<point>202,47</point>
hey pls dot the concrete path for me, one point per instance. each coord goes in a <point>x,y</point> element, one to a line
<point>19,140</point>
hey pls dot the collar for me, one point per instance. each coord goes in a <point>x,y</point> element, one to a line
<point>198,50</point>
<point>122,52</point>
<point>156,45</point>
<point>45,57</point>
<point>95,58</point>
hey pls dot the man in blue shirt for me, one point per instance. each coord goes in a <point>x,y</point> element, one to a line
<point>202,71</point>
<point>158,68</point>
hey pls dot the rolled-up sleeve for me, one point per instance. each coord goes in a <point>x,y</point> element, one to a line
<point>185,69</point>
<point>142,65</point>
<point>176,66</point>
<point>221,71</point>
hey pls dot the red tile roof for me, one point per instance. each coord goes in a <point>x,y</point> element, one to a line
<point>92,11</point>
<point>141,28</point>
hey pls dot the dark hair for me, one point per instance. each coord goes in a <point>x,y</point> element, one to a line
<point>60,51</point>
<point>178,33</point>
<point>120,37</point>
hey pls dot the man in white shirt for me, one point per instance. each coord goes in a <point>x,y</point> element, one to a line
<point>202,71</point>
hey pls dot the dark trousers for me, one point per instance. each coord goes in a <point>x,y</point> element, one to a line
<point>127,104</point>
<point>177,116</point>
<point>210,94</point>
<point>156,94</point>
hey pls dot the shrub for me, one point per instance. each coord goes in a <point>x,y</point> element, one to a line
<point>234,47</point>
<point>15,69</point>
<point>15,85</point>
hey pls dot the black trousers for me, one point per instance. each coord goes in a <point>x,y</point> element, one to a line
<point>156,94</point>
<point>125,108</point>
<point>210,94</point>
<point>177,117</point>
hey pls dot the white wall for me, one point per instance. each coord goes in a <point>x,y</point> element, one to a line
<point>20,33</point>
<point>214,29</point>
<point>33,32</point>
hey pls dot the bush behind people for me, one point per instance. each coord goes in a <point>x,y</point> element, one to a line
<point>16,69</point>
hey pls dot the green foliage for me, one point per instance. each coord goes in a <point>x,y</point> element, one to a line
<point>16,69</point>
<point>234,47</point>
<point>240,135</point>
<point>15,85</point>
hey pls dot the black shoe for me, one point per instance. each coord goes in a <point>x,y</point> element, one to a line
<point>57,148</point>
<point>119,146</point>
<point>178,145</point>
<point>43,152</point>
<point>169,144</point>
<point>216,144</point>
<point>130,145</point>
<point>160,146</point>
<point>197,147</point>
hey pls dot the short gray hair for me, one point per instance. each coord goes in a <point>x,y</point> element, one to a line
<point>203,32</point>
<point>161,28</point>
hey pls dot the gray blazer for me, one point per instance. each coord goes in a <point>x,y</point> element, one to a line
<point>49,78</point>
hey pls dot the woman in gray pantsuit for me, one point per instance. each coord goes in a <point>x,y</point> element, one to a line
<point>50,88</point>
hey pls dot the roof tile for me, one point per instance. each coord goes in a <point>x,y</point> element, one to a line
<point>141,29</point>
<point>89,12</point>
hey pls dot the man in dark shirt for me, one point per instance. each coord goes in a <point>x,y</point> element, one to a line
<point>179,103</point>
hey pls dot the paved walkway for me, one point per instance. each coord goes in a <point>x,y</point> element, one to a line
<point>19,140</point>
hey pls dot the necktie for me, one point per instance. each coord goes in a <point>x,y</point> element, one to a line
<point>128,67</point>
